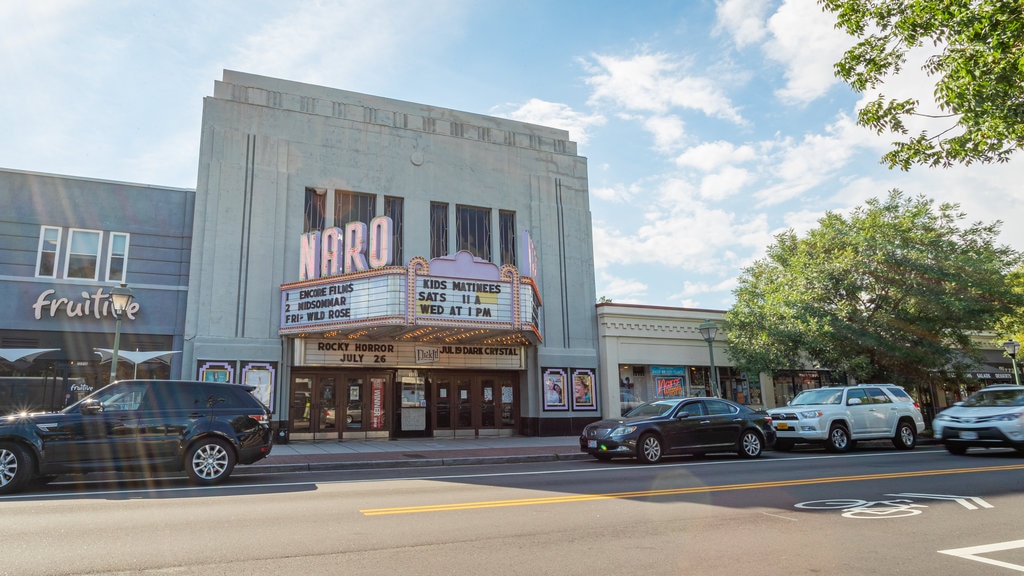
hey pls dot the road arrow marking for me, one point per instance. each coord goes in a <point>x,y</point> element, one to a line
<point>969,502</point>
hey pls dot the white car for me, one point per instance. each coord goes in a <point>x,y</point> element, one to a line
<point>839,416</point>
<point>992,417</point>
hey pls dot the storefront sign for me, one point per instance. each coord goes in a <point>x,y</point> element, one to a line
<point>323,352</point>
<point>90,305</point>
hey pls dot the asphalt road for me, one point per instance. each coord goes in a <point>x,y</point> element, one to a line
<point>874,511</point>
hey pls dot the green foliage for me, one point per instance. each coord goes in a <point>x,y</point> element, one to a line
<point>1011,326</point>
<point>889,293</point>
<point>976,62</point>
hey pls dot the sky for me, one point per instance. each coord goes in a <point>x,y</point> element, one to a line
<point>709,126</point>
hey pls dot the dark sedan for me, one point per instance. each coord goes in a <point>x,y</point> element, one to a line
<point>680,426</point>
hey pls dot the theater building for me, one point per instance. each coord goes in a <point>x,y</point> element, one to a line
<point>380,268</point>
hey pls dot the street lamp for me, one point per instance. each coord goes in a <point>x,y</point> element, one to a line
<point>120,298</point>
<point>708,330</point>
<point>1012,347</point>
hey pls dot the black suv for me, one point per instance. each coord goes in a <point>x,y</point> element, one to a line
<point>203,428</point>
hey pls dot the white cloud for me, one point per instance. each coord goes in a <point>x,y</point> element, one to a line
<point>744,20</point>
<point>668,131</point>
<point>806,43</point>
<point>710,155</point>
<point>555,115</point>
<point>728,182</point>
<point>656,83</point>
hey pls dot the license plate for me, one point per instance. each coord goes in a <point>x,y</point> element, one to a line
<point>782,426</point>
<point>591,443</point>
<point>968,435</point>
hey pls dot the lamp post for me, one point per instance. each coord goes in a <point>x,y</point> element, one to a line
<point>120,298</point>
<point>1012,347</point>
<point>708,330</point>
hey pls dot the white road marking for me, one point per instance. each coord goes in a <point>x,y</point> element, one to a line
<point>974,553</point>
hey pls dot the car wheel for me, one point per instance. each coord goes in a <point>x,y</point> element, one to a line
<point>784,445</point>
<point>956,449</point>
<point>750,444</point>
<point>209,461</point>
<point>838,439</point>
<point>906,436</point>
<point>15,467</point>
<point>648,449</point>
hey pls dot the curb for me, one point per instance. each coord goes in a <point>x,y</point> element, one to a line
<point>422,463</point>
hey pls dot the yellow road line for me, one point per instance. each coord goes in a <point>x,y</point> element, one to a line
<point>674,491</point>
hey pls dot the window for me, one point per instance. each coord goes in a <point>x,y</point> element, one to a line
<point>473,229</point>
<point>507,231</point>
<point>438,229</point>
<point>354,207</point>
<point>83,254</point>
<point>394,208</point>
<point>49,246</point>
<point>117,256</point>
<point>315,208</point>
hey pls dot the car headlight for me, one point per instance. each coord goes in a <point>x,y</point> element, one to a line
<point>811,414</point>
<point>1007,417</point>
<point>942,417</point>
<point>623,430</point>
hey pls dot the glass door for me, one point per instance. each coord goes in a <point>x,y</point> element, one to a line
<point>327,406</point>
<point>442,403</point>
<point>301,404</point>
<point>464,401</point>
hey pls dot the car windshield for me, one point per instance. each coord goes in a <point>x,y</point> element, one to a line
<point>819,396</point>
<point>996,398</point>
<point>656,408</point>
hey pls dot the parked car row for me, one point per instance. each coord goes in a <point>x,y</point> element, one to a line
<point>201,428</point>
<point>836,417</point>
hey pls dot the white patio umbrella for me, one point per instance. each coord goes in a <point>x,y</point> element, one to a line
<point>137,357</point>
<point>27,354</point>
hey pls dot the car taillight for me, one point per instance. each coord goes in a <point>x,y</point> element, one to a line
<point>768,420</point>
<point>261,418</point>
<point>916,405</point>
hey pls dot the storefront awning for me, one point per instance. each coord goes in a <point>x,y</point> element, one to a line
<point>26,354</point>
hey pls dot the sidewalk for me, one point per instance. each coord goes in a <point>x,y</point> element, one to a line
<point>304,455</point>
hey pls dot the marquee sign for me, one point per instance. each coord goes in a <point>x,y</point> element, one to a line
<point>458,290</point>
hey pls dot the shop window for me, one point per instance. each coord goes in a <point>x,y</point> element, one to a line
<point>83,254</point>
<point>473,230</point>
<point>507,232</point>
<point>117,257</point>
<point>394,208</point>
<point>438,229</point>
<point>314,209</point>
<point>49,247</point>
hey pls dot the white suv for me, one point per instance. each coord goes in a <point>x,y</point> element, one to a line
<point>991,417</point>
<point>840,416</point>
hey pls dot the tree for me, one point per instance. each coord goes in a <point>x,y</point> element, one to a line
<point>1011,326</point>
<point>889,294</point>
<point>976,61</point>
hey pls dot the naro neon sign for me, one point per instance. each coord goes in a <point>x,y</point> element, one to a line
<point>334,251</point>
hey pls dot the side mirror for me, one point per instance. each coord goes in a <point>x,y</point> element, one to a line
<point>682,415</point>
<point>89,408</point>
<point>853,401</point>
